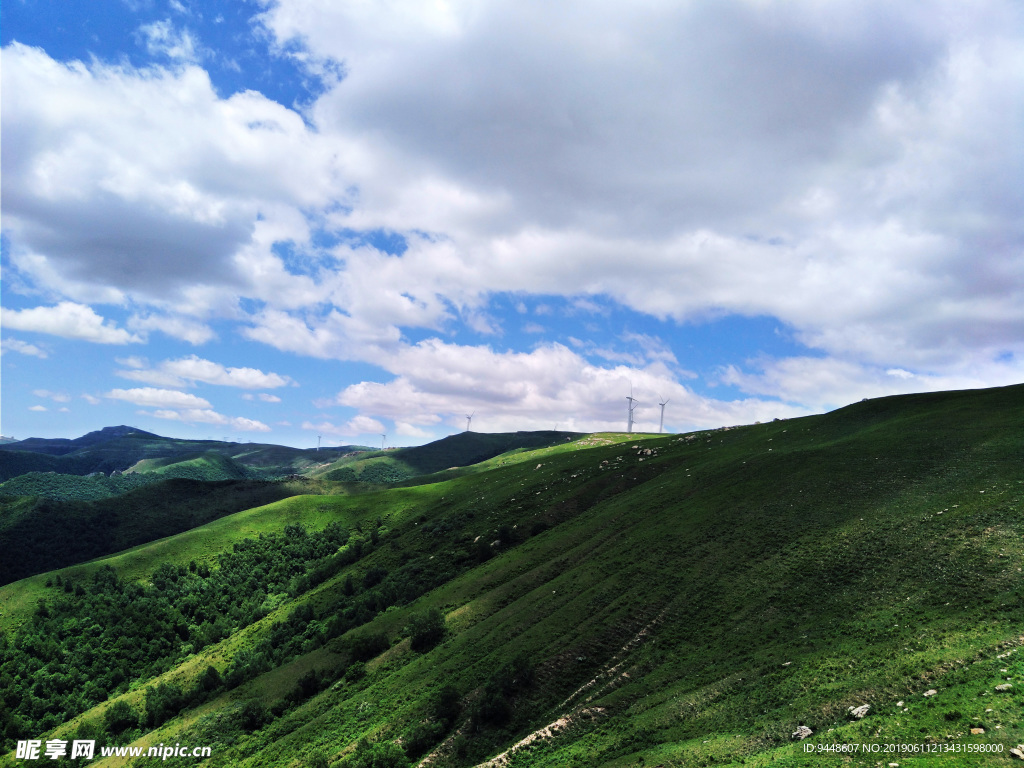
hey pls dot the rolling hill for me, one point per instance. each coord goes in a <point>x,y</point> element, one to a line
<point>455,451</point>
<point>607,601</point>
<point>118,448</point>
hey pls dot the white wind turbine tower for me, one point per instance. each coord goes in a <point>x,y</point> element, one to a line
<point>661,424</point>
<point>382,439</point>
<point>318,442</point>
<point>630,406</point>
<point>469,419</point>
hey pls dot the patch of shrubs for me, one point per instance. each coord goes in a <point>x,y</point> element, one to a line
<point>494,708</point>
<point>426,630</point>
<point>444,710</point>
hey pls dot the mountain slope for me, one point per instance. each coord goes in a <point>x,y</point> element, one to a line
<point>118,448</point>
<point>678,600</point>
<point>461,450</point>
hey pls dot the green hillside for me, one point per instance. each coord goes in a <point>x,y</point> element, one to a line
<point>209,466</point>
<point>118,448</point>
<point>676,600</point>
<point>461,450</point>
<point>52,533</point>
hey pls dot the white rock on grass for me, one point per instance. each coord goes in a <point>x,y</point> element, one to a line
<point>930,692</point>
<point>1004,687</point>
<point>858,713</point>
<point>802,733</point>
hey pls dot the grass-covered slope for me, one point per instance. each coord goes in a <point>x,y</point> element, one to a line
<point>52,533</point>
<point>461,450</point>
<point>683,600</point>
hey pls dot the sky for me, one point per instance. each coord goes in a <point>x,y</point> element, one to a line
<point>290,220</point>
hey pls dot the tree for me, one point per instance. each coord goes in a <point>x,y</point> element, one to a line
<point>382,754</point>
<point>426,630</point>
<point>119,718</point>
<point>254,715</point>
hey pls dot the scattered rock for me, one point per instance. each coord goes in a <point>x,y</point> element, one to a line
<point>858,713</point>
<point>802,733</point>
<point>786,664</point>
<point>538,467</point>
<point>1018,751</point>
<point>899,703</point>
<point>930,692</point>
<point>1004,687</point>
<point>977,731</point>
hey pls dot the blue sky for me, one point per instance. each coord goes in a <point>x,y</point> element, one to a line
<point>274,220</point>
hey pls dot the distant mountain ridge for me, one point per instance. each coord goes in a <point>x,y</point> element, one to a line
<point>118,448</point>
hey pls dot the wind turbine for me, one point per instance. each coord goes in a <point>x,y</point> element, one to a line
<point>631,405</point>
<point>382,439</point>
<point>469,419</point>
<point>661,423</point>
<point>318,442</point>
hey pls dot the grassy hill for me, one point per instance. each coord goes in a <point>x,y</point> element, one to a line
<point>52,533</point>
<point>461,450</point>
<point>675,600</point>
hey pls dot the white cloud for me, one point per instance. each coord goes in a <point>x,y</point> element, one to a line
<point>848,168</point>
<point>134,361</point>
<point>359,425</point>
<point>91,399</point>
<point>208,416</point>
<point>404,429</point>
<point>38,408</point>
<point>23,348</point>
<point>162,38</point>
<point>262,396</point>
<point>551,385</point>
<point>174,326</point>
<point>190,369</point>
<point>159,398</point>
<point>826,383</point>
<point>57,397</point>
<point>69,320</point>
<point>145,184</point>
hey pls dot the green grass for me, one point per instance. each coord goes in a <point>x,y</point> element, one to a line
<point>50,534</point>
<point>688,606</point>
<point>441,459</point>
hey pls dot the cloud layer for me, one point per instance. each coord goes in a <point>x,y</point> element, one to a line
<point>852,170</point>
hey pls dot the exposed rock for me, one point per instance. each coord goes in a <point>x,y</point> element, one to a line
<point>858,713</point>
<point>1004,687</point>
<point>977,731</point>
<point>931,692</point>
<point>899,703</point>
<point>802,733</point>
<point>1018,751</point>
